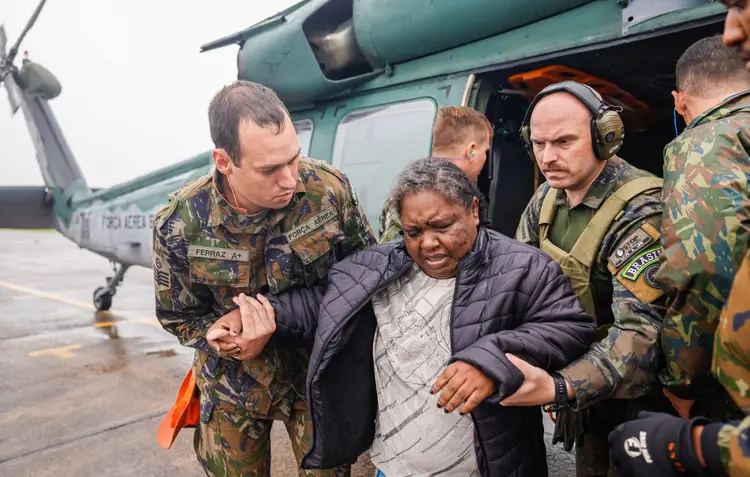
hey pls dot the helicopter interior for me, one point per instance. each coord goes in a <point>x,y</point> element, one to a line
<point>648,78</point>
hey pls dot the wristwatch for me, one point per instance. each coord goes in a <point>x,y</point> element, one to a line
<point>561,394</point>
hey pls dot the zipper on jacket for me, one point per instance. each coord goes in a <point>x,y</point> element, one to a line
<point>396,276</point>
<point>486,470</point>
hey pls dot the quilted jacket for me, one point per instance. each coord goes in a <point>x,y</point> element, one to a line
<point>509,297</point>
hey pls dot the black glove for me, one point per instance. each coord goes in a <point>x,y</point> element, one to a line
<point>569,426</point>
<point>655,444</point>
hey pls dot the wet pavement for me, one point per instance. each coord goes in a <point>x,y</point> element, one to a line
<point>83,392</point>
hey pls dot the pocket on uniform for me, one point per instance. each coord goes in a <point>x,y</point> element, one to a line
<point>219,273</point>
<point>317,250</point>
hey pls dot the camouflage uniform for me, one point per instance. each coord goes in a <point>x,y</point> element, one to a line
<point>389,224</point>
<point>617,377</point>
<point>705,232</point>
<point>205,253</point>
<point>731,366</point>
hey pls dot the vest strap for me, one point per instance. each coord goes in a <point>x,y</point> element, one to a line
<point>586,247</point>
<point>547,213</point>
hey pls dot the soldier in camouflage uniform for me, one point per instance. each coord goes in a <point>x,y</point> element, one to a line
<point>706,221</point>
<point>461,135</point>
<point>664,445</point>
<point>674,446</point>
<point>599,218</point>
<point>265,220</point>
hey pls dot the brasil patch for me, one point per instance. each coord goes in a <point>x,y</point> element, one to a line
<point>646,261</point>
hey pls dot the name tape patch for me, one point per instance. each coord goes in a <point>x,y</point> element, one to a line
<point>219,253</point>
<point>647,259</point>
<point>312,224</point>
<point>633,244</point>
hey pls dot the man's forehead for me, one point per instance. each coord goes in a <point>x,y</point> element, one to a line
<point>559,111</point>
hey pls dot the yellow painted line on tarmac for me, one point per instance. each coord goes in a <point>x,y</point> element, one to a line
<point>48,296</point>
<point>149,321</point>
<point>62,353</point>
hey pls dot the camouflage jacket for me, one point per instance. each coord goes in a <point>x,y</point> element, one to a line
<point>205,253</point>
<point>389,224</point>
<point>625,363</point>
<point>705,231</point>
<point>731,366</point>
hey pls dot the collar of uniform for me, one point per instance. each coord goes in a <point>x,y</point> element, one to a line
<point>601,188</point>
<point>731,104</point>
<point>224,214</point>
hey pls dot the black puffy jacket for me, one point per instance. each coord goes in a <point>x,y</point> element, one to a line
<point>509,297</point>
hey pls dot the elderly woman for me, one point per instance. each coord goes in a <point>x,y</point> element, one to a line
<point>408,331</point>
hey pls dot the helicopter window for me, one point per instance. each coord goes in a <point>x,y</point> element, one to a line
<point>373,145</point>
<point>304,128</point>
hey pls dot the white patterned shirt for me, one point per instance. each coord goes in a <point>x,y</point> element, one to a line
<point>413,437</point>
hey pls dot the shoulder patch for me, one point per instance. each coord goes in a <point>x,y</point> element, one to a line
<point>162,277</point>
<point>641,264</point>
<point>638,276</point>
<point>634,243</point>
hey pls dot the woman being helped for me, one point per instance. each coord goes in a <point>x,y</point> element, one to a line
<point>408,331</point>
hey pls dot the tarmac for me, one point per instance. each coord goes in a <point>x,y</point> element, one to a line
<point>83,392</point>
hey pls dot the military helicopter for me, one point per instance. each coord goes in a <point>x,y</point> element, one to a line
<point>364,80</point>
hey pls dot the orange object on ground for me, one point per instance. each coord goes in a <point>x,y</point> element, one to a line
<point>184,413</point>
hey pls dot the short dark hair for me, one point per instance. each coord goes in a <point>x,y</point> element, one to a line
<point>708,66</point>
<point>456,124</point>
<point>239,101</point>
<point>441,177</point>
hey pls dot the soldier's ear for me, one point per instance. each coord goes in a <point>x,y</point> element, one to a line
<point>679,103</point>
<point>222,161</point>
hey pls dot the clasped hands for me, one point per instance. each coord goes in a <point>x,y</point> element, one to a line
<point>243,333</point>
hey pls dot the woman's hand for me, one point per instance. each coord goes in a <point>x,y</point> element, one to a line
<point>462,383</point>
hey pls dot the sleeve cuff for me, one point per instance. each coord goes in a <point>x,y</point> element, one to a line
<point>711,451</point>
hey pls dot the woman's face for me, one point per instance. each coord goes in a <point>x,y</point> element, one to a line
<point>438,233</point>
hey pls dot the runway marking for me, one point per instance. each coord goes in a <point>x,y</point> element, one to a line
<point>149,321</point>
<point>62,353</point>
<point>104,324</point>
<point>54,297</point>
<point>49,296</point>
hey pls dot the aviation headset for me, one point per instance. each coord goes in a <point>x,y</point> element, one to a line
<point>607,129</point>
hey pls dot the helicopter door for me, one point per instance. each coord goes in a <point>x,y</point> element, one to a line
<point>378,134</point>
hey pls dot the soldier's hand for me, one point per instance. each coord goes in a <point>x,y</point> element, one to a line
<point>258,325</point>
<point>538,386</point>
<point>221,336</point>
<point>657,444</point>
<point>462,383</point>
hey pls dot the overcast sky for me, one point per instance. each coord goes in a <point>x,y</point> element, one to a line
<point>135,88</point>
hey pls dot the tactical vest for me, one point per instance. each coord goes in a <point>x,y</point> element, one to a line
<point>578,262</point>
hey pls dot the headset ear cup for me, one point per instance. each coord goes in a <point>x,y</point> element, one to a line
<point>527,141</point>
<point>610,133</point>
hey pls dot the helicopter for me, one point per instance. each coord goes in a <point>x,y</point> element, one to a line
<point>363,81</point>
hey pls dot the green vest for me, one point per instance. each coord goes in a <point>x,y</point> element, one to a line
<point>577,264</point>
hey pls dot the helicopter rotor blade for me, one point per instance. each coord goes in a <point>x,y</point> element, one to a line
<point>14,49</point>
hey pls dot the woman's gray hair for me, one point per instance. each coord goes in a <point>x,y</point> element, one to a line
<point>440,177</point>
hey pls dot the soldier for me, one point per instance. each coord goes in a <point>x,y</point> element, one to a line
<point>599,218</point>
<point>664,445</point>
<point>706,221</point>
<point>737,28</point>
<point>714,448</point>
<point>461,135</point>
<point>266,219</point>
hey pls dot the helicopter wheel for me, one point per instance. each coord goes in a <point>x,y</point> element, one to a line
<point>102,299</point>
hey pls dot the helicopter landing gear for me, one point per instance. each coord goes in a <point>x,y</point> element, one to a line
<point>103,295</point>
